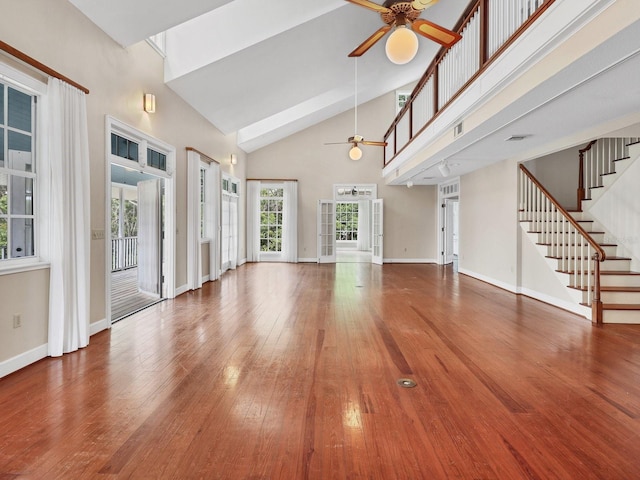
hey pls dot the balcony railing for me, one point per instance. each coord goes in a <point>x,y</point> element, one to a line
<point>124,253</point>
<point>488,27</point>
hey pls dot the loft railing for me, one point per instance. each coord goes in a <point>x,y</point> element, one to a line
<point>598,159</point>
<point>124,253</point>
<point>487,27</point>
<point>578,254</point>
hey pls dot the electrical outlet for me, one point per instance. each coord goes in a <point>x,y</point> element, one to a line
<point>17,320</point>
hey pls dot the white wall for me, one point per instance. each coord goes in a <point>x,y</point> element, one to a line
<point>58,35</point>
<point>409,214</point>
<point>618,211</point>
<point>489,224</point>
<point>558,173</point>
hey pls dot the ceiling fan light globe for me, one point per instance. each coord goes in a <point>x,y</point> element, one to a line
<point>402,45</point>
<point>355,153</point>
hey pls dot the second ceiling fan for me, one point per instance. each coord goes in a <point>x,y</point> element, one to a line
<point>403,44</point>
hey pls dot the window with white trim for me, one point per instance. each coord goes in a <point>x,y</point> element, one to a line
<point>271,209</point>
<point>347,221</point>
<point>17,173</point>
<point>401,100</point>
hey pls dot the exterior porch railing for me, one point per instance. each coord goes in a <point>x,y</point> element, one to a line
<point>124,253</point>
<point>487,27</point>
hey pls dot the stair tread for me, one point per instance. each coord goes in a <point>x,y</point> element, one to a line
<point>608,289</point>
<point>583,258</point>
<point>577,244</point>
<point>602,272</point>
<point>620,306</point>
<point>572,233</point>
<point>557,221</point>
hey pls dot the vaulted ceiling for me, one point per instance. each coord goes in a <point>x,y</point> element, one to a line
<point>267,69</point>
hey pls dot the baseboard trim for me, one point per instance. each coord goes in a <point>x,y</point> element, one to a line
<point>556,302</point>
<point>307,260</point>
<point>20,361</point>
<point>409,260</point>
<point>242,262</point>
<point>205,279</point>
<point>99,326</point>
<point>497,283</point>
<point>541,297</point>
<point>183,289</point>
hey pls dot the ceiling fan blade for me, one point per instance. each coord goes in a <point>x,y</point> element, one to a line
<point>370,42</point>
<point>370,5</point>
<point>435,32</point>
<point>422,4</point>
<point>375,144</point>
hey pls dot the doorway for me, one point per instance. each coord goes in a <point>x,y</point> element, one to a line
<point>350,227</point>
<point>136,241</point>
<point>140,220</point>
<point>449,222</point>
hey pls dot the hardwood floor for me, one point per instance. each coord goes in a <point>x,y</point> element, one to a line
<point>125,297</point>
<point>282,371</point>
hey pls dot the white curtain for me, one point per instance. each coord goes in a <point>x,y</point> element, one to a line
<point>194,261</point>
<point>253,221</point>
<point>290,223</point>
<point>69,242</point>
<point>364,225</point>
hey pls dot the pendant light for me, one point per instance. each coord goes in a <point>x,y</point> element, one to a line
<point>355,153</point>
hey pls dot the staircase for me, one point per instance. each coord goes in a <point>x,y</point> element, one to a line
<point>597,276</point>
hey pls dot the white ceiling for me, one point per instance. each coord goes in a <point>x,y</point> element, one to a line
<point>267,69</point>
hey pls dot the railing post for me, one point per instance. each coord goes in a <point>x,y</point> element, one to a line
<point>596,304</point>
<point>484,31</point>
<point>580,182</point>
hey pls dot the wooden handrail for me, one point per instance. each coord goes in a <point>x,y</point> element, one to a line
<point>598,256</point>
<point>432,69</point>
<point>581,189</point>
<point>599,250</point>
<point>32,62</point>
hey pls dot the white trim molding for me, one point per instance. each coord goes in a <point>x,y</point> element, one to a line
<point>24,359</point>
<point>99,326</point>
<point>410,260</point>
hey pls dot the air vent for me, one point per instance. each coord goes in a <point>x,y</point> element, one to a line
<point>517,138</point>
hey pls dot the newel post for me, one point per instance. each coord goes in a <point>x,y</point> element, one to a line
<point>581,181</point>
<point>596,303</point>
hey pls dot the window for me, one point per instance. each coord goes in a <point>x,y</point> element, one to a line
<point>347,221</point>
<point>271,202</point>
<point>124,148</point>
<point>17,173</point>
<point>401,99</point>
<point>156,159</point>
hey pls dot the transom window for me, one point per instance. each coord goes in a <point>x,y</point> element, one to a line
<point>17,173</point>
<point>156,159</point>
<point>271,202</point>
<point>124,148</point>
<point>347,221</point>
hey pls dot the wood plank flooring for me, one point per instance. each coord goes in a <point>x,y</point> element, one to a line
<point>125,297</point>
<point>282,371</point>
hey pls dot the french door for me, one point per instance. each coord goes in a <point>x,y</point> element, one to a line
<point>377,236</point>
<point>149,236</point>
<point>326,231</point>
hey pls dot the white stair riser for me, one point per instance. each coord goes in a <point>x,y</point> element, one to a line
<point>582,264</point>
<point>613,280</point>
<point>542,238</point>
<point>621,316</point>
<point>541,226</point>
<point>610,251</point>
<point>616,297</point>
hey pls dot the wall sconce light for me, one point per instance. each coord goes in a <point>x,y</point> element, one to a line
<point>149,103</point>
<point>234,159</point>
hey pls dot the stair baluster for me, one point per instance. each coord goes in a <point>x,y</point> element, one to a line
<point>569,242</point>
